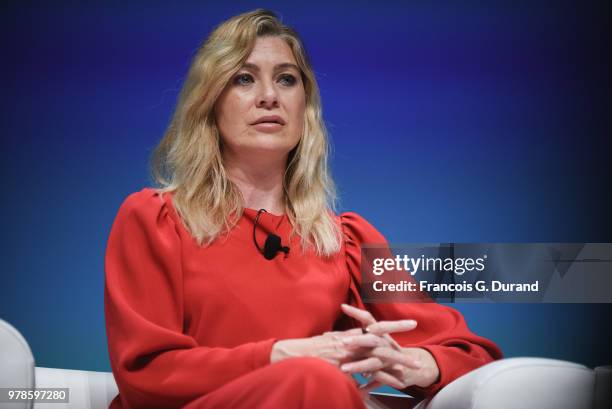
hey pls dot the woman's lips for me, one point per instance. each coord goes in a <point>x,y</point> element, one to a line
<point>268,127</point>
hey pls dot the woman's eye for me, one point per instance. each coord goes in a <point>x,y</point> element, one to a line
<point>287,79</point>
<point>243,79</point>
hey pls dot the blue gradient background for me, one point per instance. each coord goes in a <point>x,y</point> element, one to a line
<point>473,123</point>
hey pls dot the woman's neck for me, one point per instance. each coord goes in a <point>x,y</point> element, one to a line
<point>260,182</point>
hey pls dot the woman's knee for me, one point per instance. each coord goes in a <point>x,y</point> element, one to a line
<point>313,373</point>
<point>294,383</point>
<point>315,378</point>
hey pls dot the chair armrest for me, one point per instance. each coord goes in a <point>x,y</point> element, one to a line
<point>16,362</point>
<point>87,389</point>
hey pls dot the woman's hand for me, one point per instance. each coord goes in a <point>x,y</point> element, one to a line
<point>386,362</point>
<point>329,347</point>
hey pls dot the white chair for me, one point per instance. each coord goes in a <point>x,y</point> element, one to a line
<point>527,383</point>
<point>524,383</point>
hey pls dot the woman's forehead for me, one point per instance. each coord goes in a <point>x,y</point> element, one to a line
<point>270,52</point>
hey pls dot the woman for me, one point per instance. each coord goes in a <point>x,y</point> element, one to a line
<point>207,297</point>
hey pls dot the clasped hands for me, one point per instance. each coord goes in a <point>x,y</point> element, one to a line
<point>370,351</point>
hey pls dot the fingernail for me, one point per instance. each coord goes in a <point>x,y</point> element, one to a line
<point>347,340</point>
<point>345,368</point>
<point>409,322</point>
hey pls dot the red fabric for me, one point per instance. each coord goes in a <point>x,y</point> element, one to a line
<point>296,383</point>
<point>184,321</point>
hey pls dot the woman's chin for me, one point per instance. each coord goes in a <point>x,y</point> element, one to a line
<point>270,143</point>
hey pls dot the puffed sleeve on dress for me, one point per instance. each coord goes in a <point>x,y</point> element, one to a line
<point>155,364</point>
<point>441,330</point>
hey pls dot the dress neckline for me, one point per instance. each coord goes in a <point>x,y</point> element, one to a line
<point>266,213</point>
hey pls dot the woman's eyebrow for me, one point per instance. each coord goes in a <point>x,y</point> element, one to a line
<point>277,67</point>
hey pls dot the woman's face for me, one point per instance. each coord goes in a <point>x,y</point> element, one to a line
<point>261,110</point>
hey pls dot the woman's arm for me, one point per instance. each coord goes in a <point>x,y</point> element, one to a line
<point>443,333</point>
<point>154,362</point>
<point>441,330</point>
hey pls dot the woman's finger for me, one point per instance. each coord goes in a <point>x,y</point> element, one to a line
<point>384,378</point>
<point>366,319</point>
<point>366,365</point>
<point>366,341</point>
<point>393,357</point>
<point>387,327</point>
<point>343,334</point>
<point>362,316</point>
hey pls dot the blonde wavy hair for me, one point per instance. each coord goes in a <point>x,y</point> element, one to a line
<point>188,159</point>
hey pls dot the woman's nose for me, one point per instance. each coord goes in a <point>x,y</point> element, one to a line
<point>268,96</point>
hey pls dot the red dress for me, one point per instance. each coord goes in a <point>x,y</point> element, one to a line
<point>195,325</point>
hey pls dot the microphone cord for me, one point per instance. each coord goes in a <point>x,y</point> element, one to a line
<point>255,228</point>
